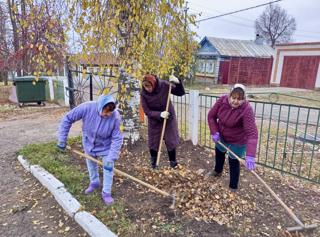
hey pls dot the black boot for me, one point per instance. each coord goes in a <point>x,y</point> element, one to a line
<point>153,158</point>
<point>172,159</point>
<point>173,164</point>
<point>153,162</point>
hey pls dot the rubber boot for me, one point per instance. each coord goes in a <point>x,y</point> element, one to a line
<point>172,159</point>
<point>92,186</point>
<point>153,158</point>
<point>107,198</point>
<point>153,162</point>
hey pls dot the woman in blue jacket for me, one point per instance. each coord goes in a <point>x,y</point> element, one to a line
<point>101,137</point>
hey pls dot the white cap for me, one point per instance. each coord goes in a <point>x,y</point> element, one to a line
<point>238,85</point>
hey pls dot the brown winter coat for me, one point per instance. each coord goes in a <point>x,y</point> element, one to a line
<point>153,104</point>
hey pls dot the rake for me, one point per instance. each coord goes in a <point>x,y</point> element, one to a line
<point>173,196</point>
<point>163,126</point>
<point>301,226</point>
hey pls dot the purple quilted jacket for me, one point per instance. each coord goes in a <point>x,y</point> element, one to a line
<point>236,126</point>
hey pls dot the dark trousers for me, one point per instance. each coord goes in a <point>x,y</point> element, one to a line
<point>234,167</point>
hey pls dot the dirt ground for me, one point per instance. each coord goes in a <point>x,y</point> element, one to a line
<point>204,207</point>
<point>27,209</point>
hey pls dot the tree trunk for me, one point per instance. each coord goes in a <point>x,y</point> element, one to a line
<point>15,33</point>
<point>4,78</point>
<point>23,43</point>
<point>129,101</point>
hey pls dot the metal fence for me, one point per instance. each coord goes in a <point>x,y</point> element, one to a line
<point>87,86</point>
<point>289,138</point>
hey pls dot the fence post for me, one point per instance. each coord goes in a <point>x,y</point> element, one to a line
<point>51,90</point>
<point>65,91</point>
<point>91,87</point>
<point>194,116</point>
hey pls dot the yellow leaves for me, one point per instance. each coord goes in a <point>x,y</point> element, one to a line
<point>14,9</point>
<point>105,91</point>
<point>36,222</point>
<point>84,4</point>
<point>123,88</point>
<point>101,43</point>
<point>156,38</point>
<point>60,223</point>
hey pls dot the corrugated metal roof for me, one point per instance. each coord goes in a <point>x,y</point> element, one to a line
<point>240,48</point>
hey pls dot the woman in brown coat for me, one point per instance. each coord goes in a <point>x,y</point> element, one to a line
<point>153,99</point>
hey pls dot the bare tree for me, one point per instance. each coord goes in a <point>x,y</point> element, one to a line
<point>4,44</point>
<point>275,25</point>
<point>36,37</point>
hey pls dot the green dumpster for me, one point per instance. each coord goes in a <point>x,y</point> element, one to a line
<point>29,90</point>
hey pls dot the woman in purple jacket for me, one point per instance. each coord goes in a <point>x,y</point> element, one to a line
<point>153,99</point>
<point>232,122</point>
<point>101,138</point>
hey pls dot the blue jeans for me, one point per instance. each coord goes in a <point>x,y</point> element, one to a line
<point>107,173</point>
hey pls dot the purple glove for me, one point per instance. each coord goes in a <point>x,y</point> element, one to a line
<point>250,163</point>
<point>215,137</point>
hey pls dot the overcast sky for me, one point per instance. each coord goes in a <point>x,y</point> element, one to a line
<point>241,25</point>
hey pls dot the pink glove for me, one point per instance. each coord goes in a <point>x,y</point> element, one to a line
<point>250,163</point>
<point>215,137</point>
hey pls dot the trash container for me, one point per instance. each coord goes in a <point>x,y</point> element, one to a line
<point>29,90</point>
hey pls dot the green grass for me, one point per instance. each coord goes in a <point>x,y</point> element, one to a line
<point>76,179</point>
<point>170,228</point>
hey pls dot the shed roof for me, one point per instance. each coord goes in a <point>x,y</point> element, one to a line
<point>239,48</point>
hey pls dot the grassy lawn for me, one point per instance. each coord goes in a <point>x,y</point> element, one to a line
<point>75,179</point>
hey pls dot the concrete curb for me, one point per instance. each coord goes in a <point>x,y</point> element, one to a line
<point>24,163</point>
<point>45,178</point>
<point>88,222</point>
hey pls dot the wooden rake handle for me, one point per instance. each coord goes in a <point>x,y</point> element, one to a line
<point>164,126</point>
<point>121,173</point>
<point>289,211</point>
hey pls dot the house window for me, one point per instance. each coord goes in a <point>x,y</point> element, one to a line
<point>199,66</point>
<point>206,66</point>
<point>210,68</point>
<point>203,69</point>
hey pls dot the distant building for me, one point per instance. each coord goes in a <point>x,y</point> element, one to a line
<point>95,63</point>
<point>297,65</point>
<point>227,61</point>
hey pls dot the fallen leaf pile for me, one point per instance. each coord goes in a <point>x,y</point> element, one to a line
<point>203,199</point>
